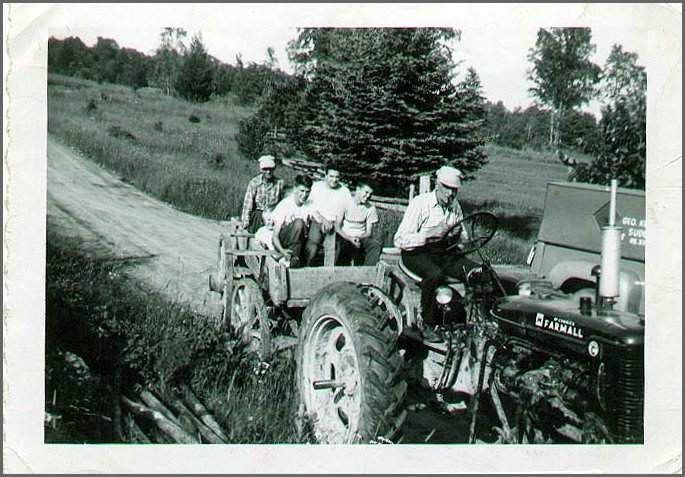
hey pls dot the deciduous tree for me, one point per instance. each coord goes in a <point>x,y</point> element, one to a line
<point>624,124</point>
<point>168,58</point>
<point>563,75</point>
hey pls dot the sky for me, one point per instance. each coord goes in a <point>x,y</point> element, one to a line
<point>495,38</point>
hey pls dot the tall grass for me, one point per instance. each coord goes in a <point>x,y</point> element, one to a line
<point>148,140</point>
<point>95,312</point>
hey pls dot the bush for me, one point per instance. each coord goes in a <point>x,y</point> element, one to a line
<point>217,160</point>
<point>91,107</point>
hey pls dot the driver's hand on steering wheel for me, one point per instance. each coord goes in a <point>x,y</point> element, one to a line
<point>436,233</point>
<point>456,231</point>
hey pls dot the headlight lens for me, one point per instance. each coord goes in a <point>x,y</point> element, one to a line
<point>443,295</point>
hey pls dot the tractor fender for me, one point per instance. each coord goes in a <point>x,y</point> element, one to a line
<point>567,275</point>
<point>573,269</point>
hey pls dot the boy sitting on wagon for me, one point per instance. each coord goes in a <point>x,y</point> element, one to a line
<point>355,241</point>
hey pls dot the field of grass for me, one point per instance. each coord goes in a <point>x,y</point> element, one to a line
<point>98,323</point>
<point>149,140</point>
<point>512,185</point>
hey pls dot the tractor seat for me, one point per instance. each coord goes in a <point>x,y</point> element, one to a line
<point>418,279</point>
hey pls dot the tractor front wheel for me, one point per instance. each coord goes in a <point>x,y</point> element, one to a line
<point>349,368</point>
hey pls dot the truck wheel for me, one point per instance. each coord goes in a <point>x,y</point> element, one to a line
<point>247,316</point>
<point>348,368</point>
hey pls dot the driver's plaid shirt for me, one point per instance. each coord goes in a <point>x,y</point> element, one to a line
<point>423,213</point>
<point>261,195</point>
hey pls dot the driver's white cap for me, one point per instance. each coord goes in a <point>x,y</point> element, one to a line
<point>449,176</point>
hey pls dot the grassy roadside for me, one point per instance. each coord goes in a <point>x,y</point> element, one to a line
<point>179,152</point>
<point>99,323</point>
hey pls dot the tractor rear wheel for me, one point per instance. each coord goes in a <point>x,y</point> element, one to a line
<point>349,368</point>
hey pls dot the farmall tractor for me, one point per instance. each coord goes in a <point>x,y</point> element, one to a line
<point>549,352</point>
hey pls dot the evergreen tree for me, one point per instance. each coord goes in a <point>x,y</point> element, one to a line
<point>277,115</point>
<point>381,104</point>
<point>470,93</point>
<point>223,78</point>
<point>196,74</point>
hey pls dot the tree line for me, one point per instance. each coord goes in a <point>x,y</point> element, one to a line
<point>565,77</point>
<point>382,104</point>
<point>388,104</point>
<point>187,71</point>
<point>529,128</point>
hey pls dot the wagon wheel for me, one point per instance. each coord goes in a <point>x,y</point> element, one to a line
<point>248,316</point>
<point>349,368</point>
<point>226,279</point>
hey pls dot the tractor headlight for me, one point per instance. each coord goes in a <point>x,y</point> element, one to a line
<point>444,295</point>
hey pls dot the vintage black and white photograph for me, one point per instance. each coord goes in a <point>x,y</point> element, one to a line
<point>322,226</point>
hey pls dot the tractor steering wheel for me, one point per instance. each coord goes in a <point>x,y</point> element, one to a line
<point>480,227</point>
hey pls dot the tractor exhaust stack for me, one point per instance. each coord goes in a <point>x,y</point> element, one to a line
<point>611,256</point>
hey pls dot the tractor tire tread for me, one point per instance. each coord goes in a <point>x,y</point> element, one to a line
<point>379,359</point>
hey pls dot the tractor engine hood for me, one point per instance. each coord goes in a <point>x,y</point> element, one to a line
<point>556,325</point>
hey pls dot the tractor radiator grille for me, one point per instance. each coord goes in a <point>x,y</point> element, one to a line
<point>625,395</point>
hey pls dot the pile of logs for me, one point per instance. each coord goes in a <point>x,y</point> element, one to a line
<point>184,419</point>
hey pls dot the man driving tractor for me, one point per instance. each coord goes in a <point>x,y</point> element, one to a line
<point>428,229</point>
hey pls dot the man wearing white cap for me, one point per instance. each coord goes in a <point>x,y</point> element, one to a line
<point>430,218</point>
<point>263,192</point>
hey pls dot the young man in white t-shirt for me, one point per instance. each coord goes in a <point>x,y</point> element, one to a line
<point>329,199</point>
<point>355,230</point>
<point>290,217</point>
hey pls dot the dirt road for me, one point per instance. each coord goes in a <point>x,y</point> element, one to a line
<point>112,218</point>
